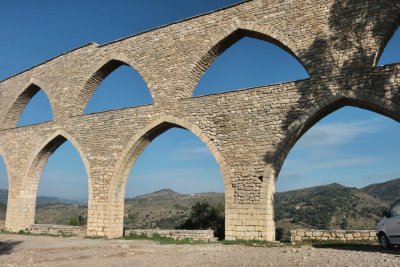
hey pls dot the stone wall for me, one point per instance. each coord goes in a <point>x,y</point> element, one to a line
<point>249,131</point>
<point>52,229</point>
<point>300,235</point>
<point>203,235</point>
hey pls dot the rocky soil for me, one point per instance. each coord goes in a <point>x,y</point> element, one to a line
<point>22,250</point>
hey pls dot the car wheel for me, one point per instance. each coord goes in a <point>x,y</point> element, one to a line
<point>385,243</point>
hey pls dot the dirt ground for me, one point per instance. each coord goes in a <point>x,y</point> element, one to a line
<point>25,250</point>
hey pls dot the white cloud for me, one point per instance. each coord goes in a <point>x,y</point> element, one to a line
<point>304,164</point>
<point>326,150</point>
<point>339,133</point>
<point>326,147</point>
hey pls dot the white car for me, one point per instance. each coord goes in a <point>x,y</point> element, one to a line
<point>388,229</point>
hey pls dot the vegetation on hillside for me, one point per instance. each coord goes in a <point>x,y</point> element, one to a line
<point>78,220</point>
<point>59,213</point>
<point>3,209</point>
<point>387,191</point>
<point>328,207</point>
<point>323,207</point>
<point>164,209</point>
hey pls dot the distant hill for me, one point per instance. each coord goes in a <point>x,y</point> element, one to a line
<point>163,193</point>
<point>43,200</point>
<point>329,207</point>
<point>164,209</point>
<point>2,207</point>
<point>3,196</point>
<point>3,203</point>
<point>49,209</point>
<point>3,210</point>
<point>387,191</point>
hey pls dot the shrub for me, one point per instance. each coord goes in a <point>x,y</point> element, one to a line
<point>76,221</point>
<point>204,216</point>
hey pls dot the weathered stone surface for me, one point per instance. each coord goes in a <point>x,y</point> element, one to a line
<point>203,235</point>
<point>342,235</point>
<point>249,132</point>
<point>52,229</point>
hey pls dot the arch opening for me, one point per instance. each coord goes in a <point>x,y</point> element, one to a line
<point>3,191</point>
<point>391,52</point>
<point>31,107</point>
<point>116,85</point>
<point>337,175</point>
<point>309,121</point>
<point>60,184</point>
<point>170,170</point>
<point>247,59</point>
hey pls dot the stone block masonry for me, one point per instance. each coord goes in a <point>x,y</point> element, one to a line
<point>52,229</point>
<point>249,131</point>
<point>301,235</point>
<point>203,235</point>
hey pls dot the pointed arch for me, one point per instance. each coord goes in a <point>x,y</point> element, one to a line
<point>140,141</point>
<point>394,29</point>
<point>298,128</point>
<point>16,109</point>
<point>102,72</point>
<point>233,34</point>
<point>116,190</point>
<point>41,156</point>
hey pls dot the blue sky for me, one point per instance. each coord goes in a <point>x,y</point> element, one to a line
<point>353,147</point>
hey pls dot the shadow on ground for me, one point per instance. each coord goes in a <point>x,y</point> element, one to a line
<point>6,247</point>
<point>359,247</point>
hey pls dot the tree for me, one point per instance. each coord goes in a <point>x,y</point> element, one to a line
<point>76,221</point>
<point>204,216</point>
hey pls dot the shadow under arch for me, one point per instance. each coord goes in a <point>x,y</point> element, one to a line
<point>140,141</point>
<point>41,156</point>
<point>101,73</point>
<point>298,128</point>
<point>230,37</point>
<point>14,112</point>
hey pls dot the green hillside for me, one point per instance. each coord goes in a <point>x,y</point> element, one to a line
<point>2,211</point>
<point>3,196</point>
<point>323,207</point>
<point>328,207</point>
<point>387,191</point>
<point>164,209</point>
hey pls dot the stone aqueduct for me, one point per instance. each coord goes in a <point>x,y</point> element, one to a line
<point>249,131</point>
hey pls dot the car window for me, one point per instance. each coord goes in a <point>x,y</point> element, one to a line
<point>395,210</point>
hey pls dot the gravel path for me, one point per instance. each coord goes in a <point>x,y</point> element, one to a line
<point>21,250</point>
